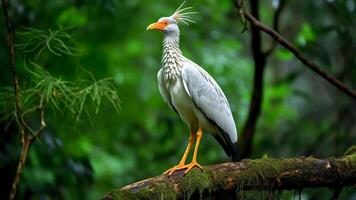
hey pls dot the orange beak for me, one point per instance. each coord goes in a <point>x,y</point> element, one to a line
<point>157,25</point>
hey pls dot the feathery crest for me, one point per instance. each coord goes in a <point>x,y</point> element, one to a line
<point>184,14</point>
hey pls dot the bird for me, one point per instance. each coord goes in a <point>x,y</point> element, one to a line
<point>192,93</point>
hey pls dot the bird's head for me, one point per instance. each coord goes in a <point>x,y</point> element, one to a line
<point>169,25</point>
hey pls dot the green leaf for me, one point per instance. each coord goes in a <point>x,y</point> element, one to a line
<point>305,35</point>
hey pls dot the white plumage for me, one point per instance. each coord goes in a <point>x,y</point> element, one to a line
<point>191,92</point>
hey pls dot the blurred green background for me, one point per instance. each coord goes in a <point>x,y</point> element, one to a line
<point>302,114</point>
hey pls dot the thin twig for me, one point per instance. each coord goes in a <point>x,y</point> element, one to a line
<point>23,126</point>
<point>276,18</point>
<point>23,156</point>
<point>42,124</point>
<point>10,44</point>
<point>25,143</point>
<point>288,45</point>
<point>240,5</point>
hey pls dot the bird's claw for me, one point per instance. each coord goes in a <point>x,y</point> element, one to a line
<point>191,166</point>
<point>170,171</point>
<point>178,167</point>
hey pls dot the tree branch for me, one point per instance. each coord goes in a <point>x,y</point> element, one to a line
<point>10,44</point>
<point>269,174</point>
<point>42,124</point>
<point>25,143</point>
<point>20,167</point>
<point>288,45</point>
<point>276,18</point>
<point>26,140</point>
<point>27,133</point>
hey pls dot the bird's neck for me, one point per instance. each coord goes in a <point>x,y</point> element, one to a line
<point>173,58</point>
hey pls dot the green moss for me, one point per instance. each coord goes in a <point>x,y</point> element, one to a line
<point>123,194</point>
<point>260,174</point>
<point>350,156</point>
<point>164,190</point>
<point>351,150</point>
<point>195,180</point>
<point>258,170</point>
<point>352,159</point>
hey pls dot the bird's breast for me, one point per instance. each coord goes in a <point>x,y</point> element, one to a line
<point>186,107</point>
<point>182,102</point>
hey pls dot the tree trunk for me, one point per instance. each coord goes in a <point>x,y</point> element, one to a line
<point>259,58</point>
<point>230,179</point>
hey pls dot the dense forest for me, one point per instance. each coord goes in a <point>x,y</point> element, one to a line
<point>81,114</point>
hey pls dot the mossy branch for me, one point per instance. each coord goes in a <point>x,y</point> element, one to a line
<point>265,174</point>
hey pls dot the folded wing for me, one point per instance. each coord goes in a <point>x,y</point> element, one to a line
<point>210,99</point>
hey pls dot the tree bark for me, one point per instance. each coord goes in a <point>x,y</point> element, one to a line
<point>230,179</point>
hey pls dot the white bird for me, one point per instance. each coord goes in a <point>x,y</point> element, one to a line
<point>192,93</point>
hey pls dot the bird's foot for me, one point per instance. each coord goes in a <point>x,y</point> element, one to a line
<point>170,171</point>
<point>178,167</point>
<point>190,166</point>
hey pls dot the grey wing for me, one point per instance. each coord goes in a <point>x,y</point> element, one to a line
<point>209,98</point>
<point>163,90</point>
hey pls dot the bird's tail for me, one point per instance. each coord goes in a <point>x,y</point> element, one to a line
<point>235,153</point>
<point>231,149</point>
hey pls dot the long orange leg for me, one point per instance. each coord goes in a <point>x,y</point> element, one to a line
<point>194,162</point>
<point>185,155</point>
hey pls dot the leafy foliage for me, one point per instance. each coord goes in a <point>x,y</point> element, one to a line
<point>58,42</point>
<point>45,90</point>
